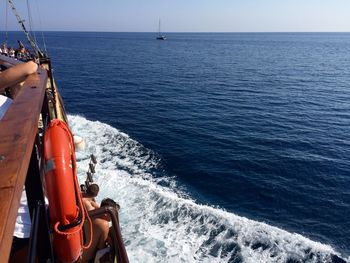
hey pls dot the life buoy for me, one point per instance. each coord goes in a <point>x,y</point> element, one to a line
<point>65,205</point>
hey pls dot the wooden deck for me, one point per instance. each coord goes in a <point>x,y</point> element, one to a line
<point>18,129</point>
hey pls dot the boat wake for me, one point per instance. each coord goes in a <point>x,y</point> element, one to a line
<point>160,224</point>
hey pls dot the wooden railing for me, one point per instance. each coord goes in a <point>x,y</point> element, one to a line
<point>116,235</point>
<point>18,129</point>
<point>18,160</point>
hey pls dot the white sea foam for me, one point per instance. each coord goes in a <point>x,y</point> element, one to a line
<point>161,225</point>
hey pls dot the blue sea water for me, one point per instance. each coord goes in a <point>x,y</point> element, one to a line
<point>253,125</point>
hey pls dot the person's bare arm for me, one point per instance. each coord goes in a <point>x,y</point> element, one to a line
<point>95,205</point>
<point>104,228</point>
<point>16,74</point>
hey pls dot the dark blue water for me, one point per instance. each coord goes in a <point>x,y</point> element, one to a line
<point>257,124</point>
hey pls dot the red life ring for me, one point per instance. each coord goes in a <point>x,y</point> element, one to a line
<point>65,204</point>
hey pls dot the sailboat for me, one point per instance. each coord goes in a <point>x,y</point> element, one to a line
<point>160,36</point>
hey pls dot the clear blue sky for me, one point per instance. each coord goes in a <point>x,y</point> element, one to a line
<point>185,15</point>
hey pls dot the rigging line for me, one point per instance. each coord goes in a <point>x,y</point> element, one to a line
<point>29,37</point>
<point>31,21</point>
<point>6,17</point>
<point>41,27</point>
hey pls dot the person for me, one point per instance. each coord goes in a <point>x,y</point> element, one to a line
<point>11,53</point>
<point>16,74</point>
<point>21,51</point>
<point>89,197</point>
<point>21,234</point>
<point>100,228</point>
<point>10,77</point>
<point>21,45</point>
<point>4,49</point>
<point>5,103</point>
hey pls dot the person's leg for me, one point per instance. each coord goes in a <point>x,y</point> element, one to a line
<point>89,254</point>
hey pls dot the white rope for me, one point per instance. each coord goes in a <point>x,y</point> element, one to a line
<point>6,17</point>
<point>29,37</point>
<point>41,27</point>
<point>31,21</point>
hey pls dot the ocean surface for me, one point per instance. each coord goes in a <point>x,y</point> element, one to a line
<point>219,147</point>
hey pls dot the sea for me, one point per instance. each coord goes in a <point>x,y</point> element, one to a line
<point>219,147</point>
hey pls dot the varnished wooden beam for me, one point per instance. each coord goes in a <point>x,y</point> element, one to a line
<point>18,129</point>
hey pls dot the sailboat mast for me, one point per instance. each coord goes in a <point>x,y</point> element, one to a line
<point>159,27</point>
<point>160,36</point>
<point>29,37</point>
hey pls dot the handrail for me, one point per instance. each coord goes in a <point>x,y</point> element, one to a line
<point>119,246</point>
<point>9,60</point>
<point>18,129</point>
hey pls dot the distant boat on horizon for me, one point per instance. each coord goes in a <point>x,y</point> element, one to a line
<point>160,36</point>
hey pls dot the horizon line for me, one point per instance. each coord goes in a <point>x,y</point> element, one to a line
<point>182,32</point>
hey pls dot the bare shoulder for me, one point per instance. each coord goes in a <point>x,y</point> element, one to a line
<point>100,221</point>
<point>88,204</point>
